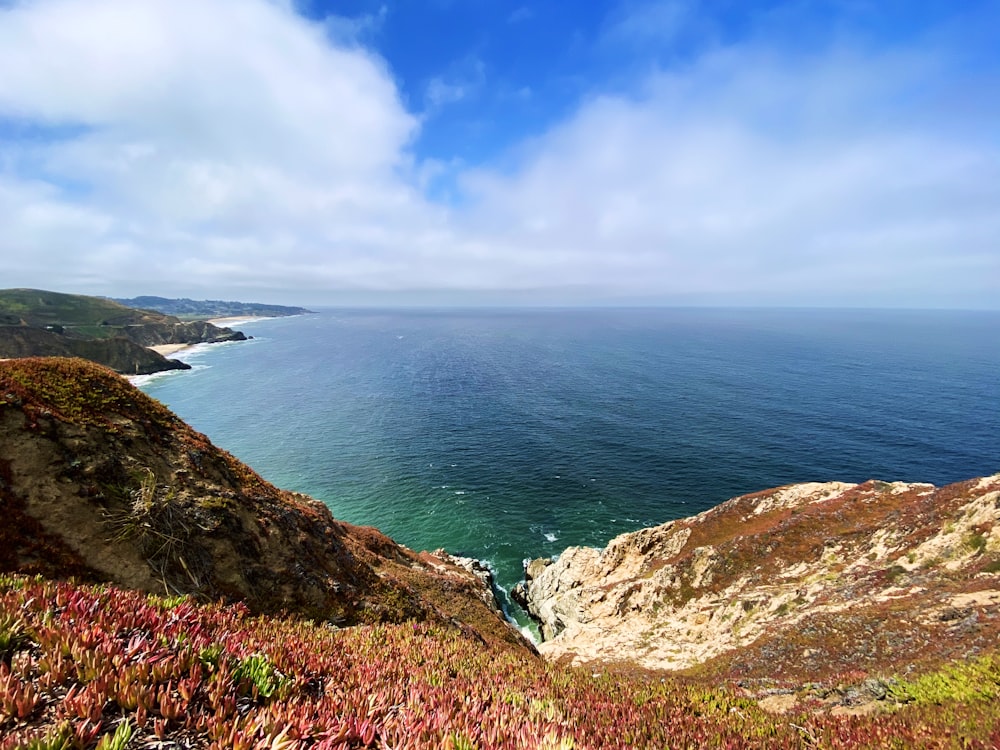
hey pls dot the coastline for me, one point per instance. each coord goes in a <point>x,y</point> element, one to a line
<point>233,320</point>
<point>168,349</point>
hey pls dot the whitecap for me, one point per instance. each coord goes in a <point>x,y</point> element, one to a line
<point>528,633</point>
<point>550,537</point>
<point>139,381</point>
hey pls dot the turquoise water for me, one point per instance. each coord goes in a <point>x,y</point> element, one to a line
<point>512,434</point>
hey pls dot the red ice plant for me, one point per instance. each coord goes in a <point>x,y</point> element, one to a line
<point>212,676</point>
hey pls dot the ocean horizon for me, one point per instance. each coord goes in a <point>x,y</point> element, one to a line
<point>509,434</point>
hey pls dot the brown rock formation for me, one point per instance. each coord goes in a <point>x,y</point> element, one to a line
<point>120,354</point>
<point>792,581</point>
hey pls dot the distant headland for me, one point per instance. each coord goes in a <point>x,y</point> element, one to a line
<point>128,336</point>
<point>210,309</point>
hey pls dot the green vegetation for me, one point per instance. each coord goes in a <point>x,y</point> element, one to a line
<point>13,636</point>
<point>96,316</point>
<point>893,572</point>
<point>79,393</point>
<point>977,680</point>
<point>993,566</point>
<point>119,740</point>
<point>257,676</point>
<point>975,542</point>
<point>190,309</point>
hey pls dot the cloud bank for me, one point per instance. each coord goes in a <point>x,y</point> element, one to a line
<point>235,148</point>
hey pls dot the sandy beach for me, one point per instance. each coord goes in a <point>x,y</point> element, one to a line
<point>167,349</point>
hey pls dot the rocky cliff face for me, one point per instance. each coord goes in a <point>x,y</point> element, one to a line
<point>789,582</point>
<point>173,331</point>
<point>100,482</point>
<point>120,354</point>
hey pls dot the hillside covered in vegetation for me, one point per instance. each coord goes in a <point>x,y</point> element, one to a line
<point>155,592</point>
<point>82,665</point>
<point>41,323</point>
<point>190,309</point>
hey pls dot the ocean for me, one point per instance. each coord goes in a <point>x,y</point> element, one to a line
<point>512,434</point>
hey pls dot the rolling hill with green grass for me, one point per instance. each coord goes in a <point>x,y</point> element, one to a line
<point>34,322</point>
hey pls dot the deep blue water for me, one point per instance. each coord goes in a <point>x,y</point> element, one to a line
<point>511,434</point>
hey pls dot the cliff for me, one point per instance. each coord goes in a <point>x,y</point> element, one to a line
<point>103,483</point>
<point>120,354</point>
<point>41,323</point>
<point>795,582</point>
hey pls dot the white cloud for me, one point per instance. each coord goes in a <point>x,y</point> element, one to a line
<point>209,128</point>
<point>440,92</point>
<point>231,147</point>
<point>521,14</point>
<point>744,179</point>
<point>354,30</point>
<point>649,21</point>
<point>464,79</point>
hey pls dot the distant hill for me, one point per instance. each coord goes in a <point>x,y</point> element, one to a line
<point>35,322</point>
<point>211,308</point>
<point>89,316</point>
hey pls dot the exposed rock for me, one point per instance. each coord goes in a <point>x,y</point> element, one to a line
<point>481,572</point>
<point>120,354</point>
<point>535,567</point>
<point>175,332</point>
<point>834,575</point>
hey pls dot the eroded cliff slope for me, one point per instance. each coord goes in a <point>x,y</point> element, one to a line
<point>798,581</point>
<point>101,482</point>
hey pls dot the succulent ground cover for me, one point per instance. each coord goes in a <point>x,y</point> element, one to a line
<point>86,667</point>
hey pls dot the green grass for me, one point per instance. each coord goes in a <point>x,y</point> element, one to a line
<point>42,308</point>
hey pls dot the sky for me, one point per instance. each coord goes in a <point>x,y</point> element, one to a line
<point>557,152</point>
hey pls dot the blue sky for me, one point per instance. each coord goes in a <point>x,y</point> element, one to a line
<point>473,151</point>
